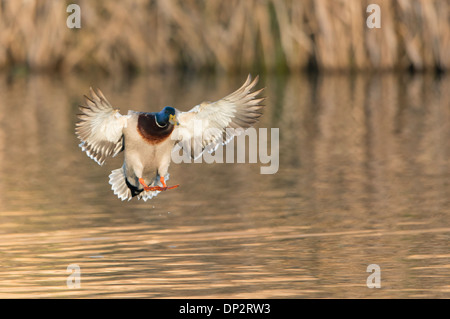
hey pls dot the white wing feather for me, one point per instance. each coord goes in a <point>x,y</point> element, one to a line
<point>100,128</point>
<point>208,125</point>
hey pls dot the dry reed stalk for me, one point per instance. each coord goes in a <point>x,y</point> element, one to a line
<point>225,36</point>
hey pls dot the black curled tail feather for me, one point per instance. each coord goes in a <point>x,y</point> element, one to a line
<point>134,190</point>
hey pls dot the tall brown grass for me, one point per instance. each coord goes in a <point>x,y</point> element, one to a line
<point>225,36</point>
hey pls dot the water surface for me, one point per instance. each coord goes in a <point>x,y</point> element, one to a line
<point>363,179</point>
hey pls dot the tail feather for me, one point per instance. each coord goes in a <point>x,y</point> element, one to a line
<point>125,191</point>
<point>119,186</point>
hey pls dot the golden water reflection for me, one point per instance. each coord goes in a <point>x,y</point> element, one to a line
<point>363,179</point>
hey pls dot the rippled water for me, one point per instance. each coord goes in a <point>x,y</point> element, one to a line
<point>363,179</point>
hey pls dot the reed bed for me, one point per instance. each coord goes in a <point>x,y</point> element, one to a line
<point>224,36</point>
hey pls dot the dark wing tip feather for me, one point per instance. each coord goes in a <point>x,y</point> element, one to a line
<point>249,104</point>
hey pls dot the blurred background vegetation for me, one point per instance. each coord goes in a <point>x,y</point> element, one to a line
<point>224,36</point>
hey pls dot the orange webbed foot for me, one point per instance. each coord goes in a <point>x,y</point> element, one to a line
<point>156,188</point>
<point>165,187</point>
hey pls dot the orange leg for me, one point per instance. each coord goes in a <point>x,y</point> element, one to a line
<point>156,188</point>
<point>163,181</point>
<point>165,186</point>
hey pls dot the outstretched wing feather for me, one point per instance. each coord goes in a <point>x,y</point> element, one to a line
<point>206,125</point>
<point>100,128</point>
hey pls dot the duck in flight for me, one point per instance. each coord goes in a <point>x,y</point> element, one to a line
<point>148,139</point>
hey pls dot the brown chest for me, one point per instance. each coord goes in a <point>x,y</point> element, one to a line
<point>150,131</point>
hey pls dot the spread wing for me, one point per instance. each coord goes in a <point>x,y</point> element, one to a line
<point>100,128</point>
<point>210,124</point>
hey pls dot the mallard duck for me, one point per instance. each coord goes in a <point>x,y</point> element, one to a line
<point>148,139</point>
